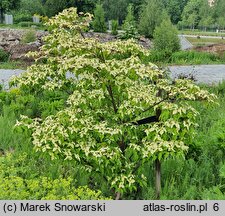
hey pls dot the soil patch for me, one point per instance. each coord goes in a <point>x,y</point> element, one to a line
<point>213,48</point>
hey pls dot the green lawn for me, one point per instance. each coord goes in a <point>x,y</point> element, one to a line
<point>204,33</point>
<point>17,26</point>
<point>13,65</point>
<point>205,41</point>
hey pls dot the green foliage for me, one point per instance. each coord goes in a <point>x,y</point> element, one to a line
<point>166,37</point>
<point>161,56</point>
<point>44,188</point>
<point>29,24</point>
<point>99,19</point>
<point>112,89</point>
<point>52,7</point>
<point>219,13</point>
<point>197,12</point>
<point>129,26</point>
<point>22,16</point>
<point>4,56</point>
<point>115,9</point>
<point>213,193</point>
<point>31,7</point>
<point>29,36</point>
<point>115,25</point>
<point>152,15</point>
<point>7,5</point>
<point>23,103</point>
<point>7,121</point>
<point>194,57</point>
<point>175,9</point>
<point>184,57</point>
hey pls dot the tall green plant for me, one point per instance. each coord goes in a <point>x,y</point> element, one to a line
<point>122,112</point>
<point>129,26</point>
<point>152,15</point>
<point>166,37</point>
<point>115,25</point>
<point>99,19</point>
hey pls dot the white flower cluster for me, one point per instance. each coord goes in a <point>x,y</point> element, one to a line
<point>112,89</point>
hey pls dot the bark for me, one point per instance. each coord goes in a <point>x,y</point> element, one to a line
<point>158,178</point>
<point>1,15</point>
<point>118,195</point>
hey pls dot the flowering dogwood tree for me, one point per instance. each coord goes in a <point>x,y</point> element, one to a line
<point>121,113</point>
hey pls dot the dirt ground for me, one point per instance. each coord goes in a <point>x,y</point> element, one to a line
<point>214,48</point>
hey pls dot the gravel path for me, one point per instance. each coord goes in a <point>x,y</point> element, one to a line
<point>208,74</point>
<point>185,44</point>
<point>6,74</point>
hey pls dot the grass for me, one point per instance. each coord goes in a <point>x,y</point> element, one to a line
<point>201,175</point>
<point>205,41</point>
<point>26,162</point>
<point>185,58</point>
<point>13,65</point>
<point>17,26</point>
<point>203,33</point>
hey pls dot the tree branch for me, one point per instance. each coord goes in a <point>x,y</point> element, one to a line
<point>109,88</point>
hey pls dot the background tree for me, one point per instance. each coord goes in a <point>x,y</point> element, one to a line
<point>191,13</point>
<point>121,112</point>
<point>137,7</point>
<point>206,15</point>
<point>27,9</point>
<point>166,37</point>
<point>153,12</point>
<point>6,5</point>
<point>115,9</point>
<point>99,19</point>
<point>219,13</point>
<point>174,8</point>
<point>53,7</point>
<point>129,25</point>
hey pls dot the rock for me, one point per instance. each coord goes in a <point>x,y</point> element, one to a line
<point>36,43</point>
<point>3,44</point>
<point>18,51</point>
<point>10,42</point>
<point>17,42</point>
<point>11,38</point>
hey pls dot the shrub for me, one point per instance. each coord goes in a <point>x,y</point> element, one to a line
<point>99,19</point>
<point>159,56</point>
<point>105,124</point>
<point>29,24</point>
<point>213,193</point>
<point>129,26</point>
<point>43,188</point>
<point>22,16</point>
<point>29,36</point>
<point>166,37</point>
<point>151,16</point>
<point>115,25</point>
<point>4,56</point>
<point>194,57</point>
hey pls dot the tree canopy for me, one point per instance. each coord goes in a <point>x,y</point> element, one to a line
<point>6,5</point>
<point>121,112</point>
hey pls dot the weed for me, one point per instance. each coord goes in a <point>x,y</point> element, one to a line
<point>29,36</point>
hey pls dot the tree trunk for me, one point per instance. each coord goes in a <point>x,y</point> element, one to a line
<point>158,178</point>
<point>1,15</point>
<point>118,195</point>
